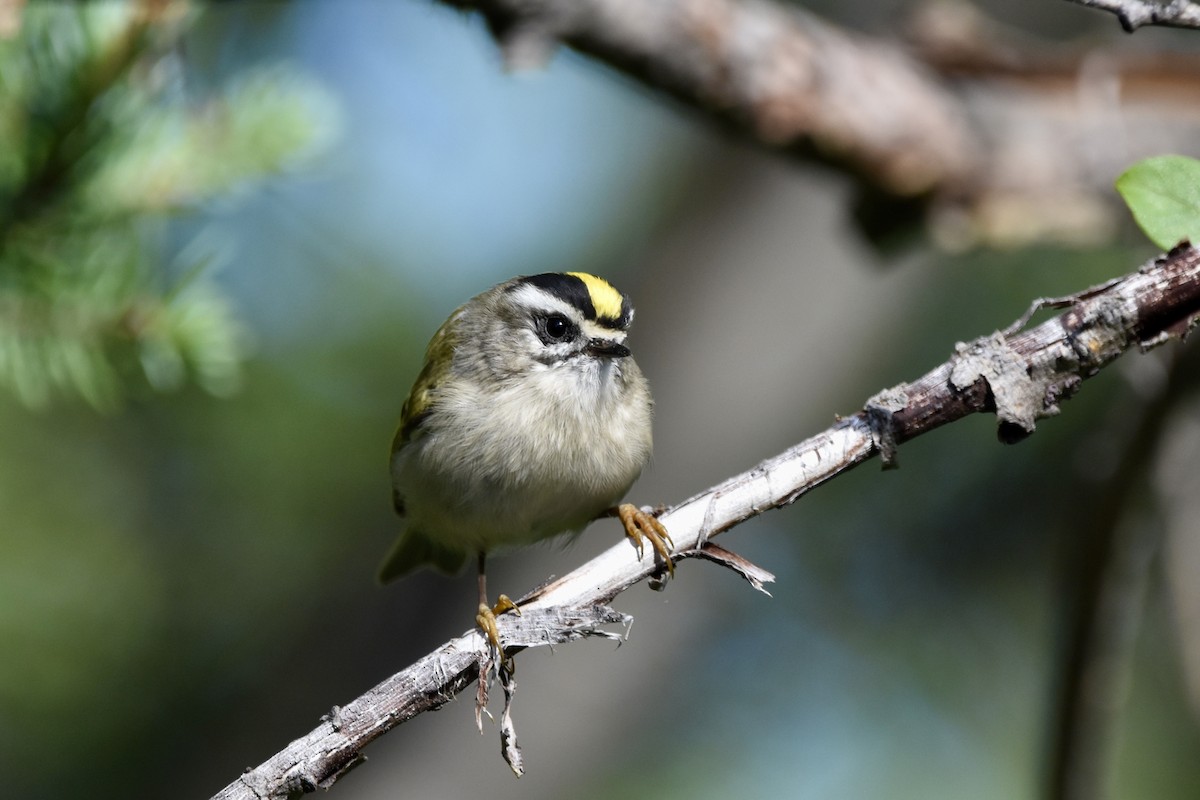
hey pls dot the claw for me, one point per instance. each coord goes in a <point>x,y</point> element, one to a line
<point>485,618</point>
<point>505,603</point>
<point>639,524</point>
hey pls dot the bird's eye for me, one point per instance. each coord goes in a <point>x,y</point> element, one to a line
<point>555,328</point>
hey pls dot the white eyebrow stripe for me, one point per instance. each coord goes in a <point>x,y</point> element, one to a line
<point>535,299</point>
<point>594,330</point>
<point>539,301</point>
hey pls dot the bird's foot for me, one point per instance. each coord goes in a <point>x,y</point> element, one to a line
<point>486,619</point>
<point>641,524</point>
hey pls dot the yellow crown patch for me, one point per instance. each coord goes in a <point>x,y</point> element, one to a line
<point>607,300</point>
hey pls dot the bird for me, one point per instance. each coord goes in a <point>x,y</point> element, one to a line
<point>528,420</point>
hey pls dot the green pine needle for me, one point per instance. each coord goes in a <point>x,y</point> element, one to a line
<point>99,147</point>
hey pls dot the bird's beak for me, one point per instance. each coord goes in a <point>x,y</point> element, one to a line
<point>607,347</point>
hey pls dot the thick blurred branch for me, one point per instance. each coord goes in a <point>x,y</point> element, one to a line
<point>1020,375</point>
<point>1106,576</point>
<point>1133,14</point>
<point>771,71</point>
<point>953,121</point>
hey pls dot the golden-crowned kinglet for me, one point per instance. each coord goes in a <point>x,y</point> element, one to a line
<point>529,419</point>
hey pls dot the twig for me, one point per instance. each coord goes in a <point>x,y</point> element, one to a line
<point>1133,14</point>
<point>1143,309</point>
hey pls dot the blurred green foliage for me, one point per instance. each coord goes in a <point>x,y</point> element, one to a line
<point>108,621</point>
<point>100,143</point>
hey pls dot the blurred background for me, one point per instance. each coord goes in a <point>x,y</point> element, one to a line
<point>220,267</point>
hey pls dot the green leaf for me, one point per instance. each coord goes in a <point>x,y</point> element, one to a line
<point>1163,193</point>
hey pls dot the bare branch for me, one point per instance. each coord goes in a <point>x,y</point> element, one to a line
<point>1021,377</point>
<point>783,76</point>
<point>981,133</point>
<point>1133,14</point>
